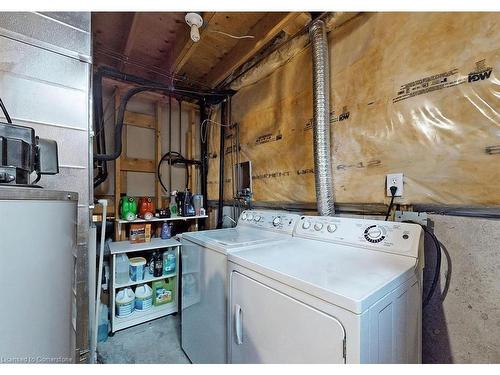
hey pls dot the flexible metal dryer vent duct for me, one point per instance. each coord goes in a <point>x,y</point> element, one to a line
<point>321,119</point>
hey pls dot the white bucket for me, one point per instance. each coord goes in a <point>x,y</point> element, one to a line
<point>124,302</point>
<point>143,297</point>
<point>137,267</point>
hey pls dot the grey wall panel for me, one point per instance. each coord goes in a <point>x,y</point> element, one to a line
<point>45,82</point>
<point>39,27</point>
<point>29,99</point>
<point>42,65</point>
<point>79,20</point>
<point>69,140</point>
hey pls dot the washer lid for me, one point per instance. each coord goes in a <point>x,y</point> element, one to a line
<point>349,277</point>
<point>225,240</point>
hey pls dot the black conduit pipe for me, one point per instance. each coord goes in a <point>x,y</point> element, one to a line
<point>224,120</point>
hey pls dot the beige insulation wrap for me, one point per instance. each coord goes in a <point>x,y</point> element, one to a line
<point>415,93</point>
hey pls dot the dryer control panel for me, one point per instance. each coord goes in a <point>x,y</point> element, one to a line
<point>276,221</point>
<point>387,236</point>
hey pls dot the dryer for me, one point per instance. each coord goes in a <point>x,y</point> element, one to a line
<point>339,291</point>
<point>204,278</point>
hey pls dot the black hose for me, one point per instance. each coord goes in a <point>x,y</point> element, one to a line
<point>437,269</point>
<point>181,159</point>
<point>5,112</point>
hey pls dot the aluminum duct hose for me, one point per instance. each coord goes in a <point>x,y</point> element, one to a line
<point>321,119</point>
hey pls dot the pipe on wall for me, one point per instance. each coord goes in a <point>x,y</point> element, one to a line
<point>321,119</point>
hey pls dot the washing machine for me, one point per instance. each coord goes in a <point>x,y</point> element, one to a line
<point>204,278</point>
<point>341,290</point>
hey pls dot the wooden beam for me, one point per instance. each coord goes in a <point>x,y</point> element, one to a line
<point>140,120</point>
<point>180,57</point>
<point>129,42</point>
<point>158,155</point>
<point>138,165</point>
<point>118,174</point>
<point>263,31</point>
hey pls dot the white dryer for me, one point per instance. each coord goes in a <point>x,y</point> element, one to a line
<point>340,291</point>
<point>204,278</point>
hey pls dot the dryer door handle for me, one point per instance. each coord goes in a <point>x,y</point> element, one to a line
<point>237,324</point>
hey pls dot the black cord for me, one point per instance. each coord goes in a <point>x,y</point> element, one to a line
<point>38,177</point>
<point>437,268</point>
<point>393,190</point>
<point>181,159</point>
<point>4,110</point>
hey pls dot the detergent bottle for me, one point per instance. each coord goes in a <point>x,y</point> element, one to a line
<point>146,208</point>
<point>128,208</point>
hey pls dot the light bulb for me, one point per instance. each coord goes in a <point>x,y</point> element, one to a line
<point>195,33</point>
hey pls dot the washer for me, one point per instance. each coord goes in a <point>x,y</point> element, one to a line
<point>204,278</point>
<point>339,291</point>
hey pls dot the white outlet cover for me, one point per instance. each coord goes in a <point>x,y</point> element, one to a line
<point>394,179</point>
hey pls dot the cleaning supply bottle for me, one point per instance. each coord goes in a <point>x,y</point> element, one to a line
<point>122,269</point>
<point>128,208</point>
<point>158,264</point>
<point>173,204</point>
<point>169,261</point>
<point>103,328</point>
<point>166,232</point>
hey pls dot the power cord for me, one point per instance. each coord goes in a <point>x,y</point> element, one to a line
<point>5,113</point>
<point>393,190</point>
<point>437,269</point>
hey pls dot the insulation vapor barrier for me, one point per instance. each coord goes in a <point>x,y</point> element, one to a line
<point>415,93</point>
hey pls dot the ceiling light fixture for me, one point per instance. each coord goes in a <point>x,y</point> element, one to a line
<point>194,21</point>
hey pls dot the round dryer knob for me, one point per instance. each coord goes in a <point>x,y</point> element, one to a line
<point>318,226</point>
<point>306,224</point>
<point>250,217</point>
<point>374,232</point>
<point>257,218</point>
<point>331,228</point>
<point>276,221</point>
<point>243,216</point>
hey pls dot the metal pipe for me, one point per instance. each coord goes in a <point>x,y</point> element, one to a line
<point>321,119</point>
<point>170,144</point>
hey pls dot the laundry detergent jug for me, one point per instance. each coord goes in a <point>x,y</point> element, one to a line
<point>143,297</point>
<point>128,208</point>
<point>125,302</point>
<point>146,208</point>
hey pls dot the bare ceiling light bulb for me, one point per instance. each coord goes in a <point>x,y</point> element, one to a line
<point>194,21</point>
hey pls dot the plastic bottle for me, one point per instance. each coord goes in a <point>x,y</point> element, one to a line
<point>173,204</point>
<point>122,269</point>
<point>125,302</point>
<point>143,297</point>
<point>158,265</point>
<point>166,231</point>
<point>169,261</point>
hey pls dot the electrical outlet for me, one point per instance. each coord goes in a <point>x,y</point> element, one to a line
<point>394,179</point>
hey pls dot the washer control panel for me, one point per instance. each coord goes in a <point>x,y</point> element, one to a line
<point>392,237</point>
<point>276,221</point>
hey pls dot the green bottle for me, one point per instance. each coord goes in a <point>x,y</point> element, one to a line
<point>173,204</point>
<point>128,208</point>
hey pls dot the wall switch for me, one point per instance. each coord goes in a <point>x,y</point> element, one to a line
<point>394,179</point>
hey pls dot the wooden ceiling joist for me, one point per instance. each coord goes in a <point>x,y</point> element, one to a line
<point>263,31</point>
<point>129,44</point>
<point>181,57</point>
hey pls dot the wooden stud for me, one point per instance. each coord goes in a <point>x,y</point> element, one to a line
<point>158,153</point>
<point>140,120</point>
<point>263,31</point>
<point>138,165</point>
<point>118,181</point>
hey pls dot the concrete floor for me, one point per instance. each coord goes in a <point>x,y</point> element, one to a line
<point>157,341</point>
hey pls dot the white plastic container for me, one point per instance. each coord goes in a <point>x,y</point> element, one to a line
<point>143,297</point>
<point>124,302</point>
<point>137,268</point>
<point>122,269</point>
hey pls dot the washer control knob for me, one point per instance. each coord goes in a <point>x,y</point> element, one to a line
<point>257,218</point>
<point>331,228</point>
<point>276,221</point>
<point>243,216</point>
<point>306,224</point>
<point>250,217</point>
<point>318,226</point>
<point>374,232</point>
